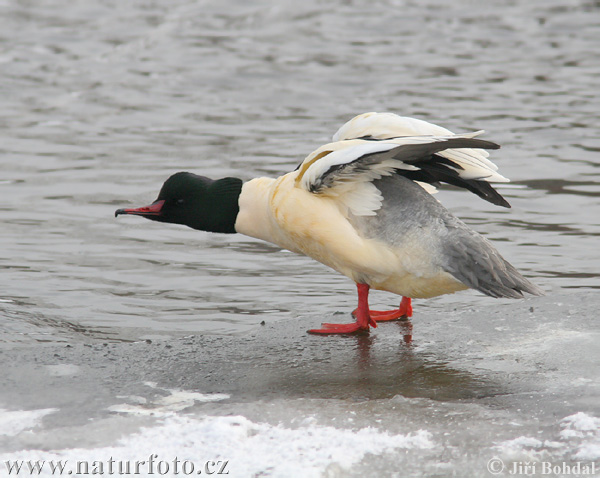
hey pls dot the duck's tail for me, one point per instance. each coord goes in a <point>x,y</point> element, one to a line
<point>474,261</point>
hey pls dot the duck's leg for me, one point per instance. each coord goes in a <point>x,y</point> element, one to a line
<point>362,314</point>
<point>405,310</point>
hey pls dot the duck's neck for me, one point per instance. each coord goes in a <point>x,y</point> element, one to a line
<point>220,207</point>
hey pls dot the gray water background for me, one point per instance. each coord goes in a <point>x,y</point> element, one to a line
<point>101,101</point>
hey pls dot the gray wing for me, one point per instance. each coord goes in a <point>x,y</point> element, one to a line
<point>450,243</point>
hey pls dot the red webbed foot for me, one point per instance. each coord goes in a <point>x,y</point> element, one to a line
<point>404,311</point>
<point>363,318</point>
<point>340,329</point>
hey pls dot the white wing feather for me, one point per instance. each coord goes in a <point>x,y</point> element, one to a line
<point>382,126</point>
<point>345,152</point>
<point>355,189</point>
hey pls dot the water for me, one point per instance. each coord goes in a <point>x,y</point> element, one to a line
<point>102,101</point>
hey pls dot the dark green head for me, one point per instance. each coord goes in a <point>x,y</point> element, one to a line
<point>195,201</point>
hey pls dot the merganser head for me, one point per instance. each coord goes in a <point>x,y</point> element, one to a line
<point>194,201</point>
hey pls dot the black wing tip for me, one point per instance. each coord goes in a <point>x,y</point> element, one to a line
<point>490,144</point>
<point>462,142</point>
<point>499,200</point>
<point>483,189</point>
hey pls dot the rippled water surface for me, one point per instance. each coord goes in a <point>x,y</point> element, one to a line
<point>102,101</point>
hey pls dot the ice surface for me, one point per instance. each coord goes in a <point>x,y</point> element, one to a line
<point>251,449</point>
<point>176,400</point>
<point>14,422</point>
<point>579,439</point>
<point>520,390</point>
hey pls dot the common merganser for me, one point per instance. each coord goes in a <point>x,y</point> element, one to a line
<point>363,206</point>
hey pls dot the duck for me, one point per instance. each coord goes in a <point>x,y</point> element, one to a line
<point>364,206</point>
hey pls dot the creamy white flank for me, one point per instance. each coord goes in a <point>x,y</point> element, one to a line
<point>317,225</point>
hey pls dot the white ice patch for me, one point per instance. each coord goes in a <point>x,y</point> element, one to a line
<point>583,431</point>
<point>14,422</point>
<point>251,449</point>
<point>176,401</point>
<point>578,440</point>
